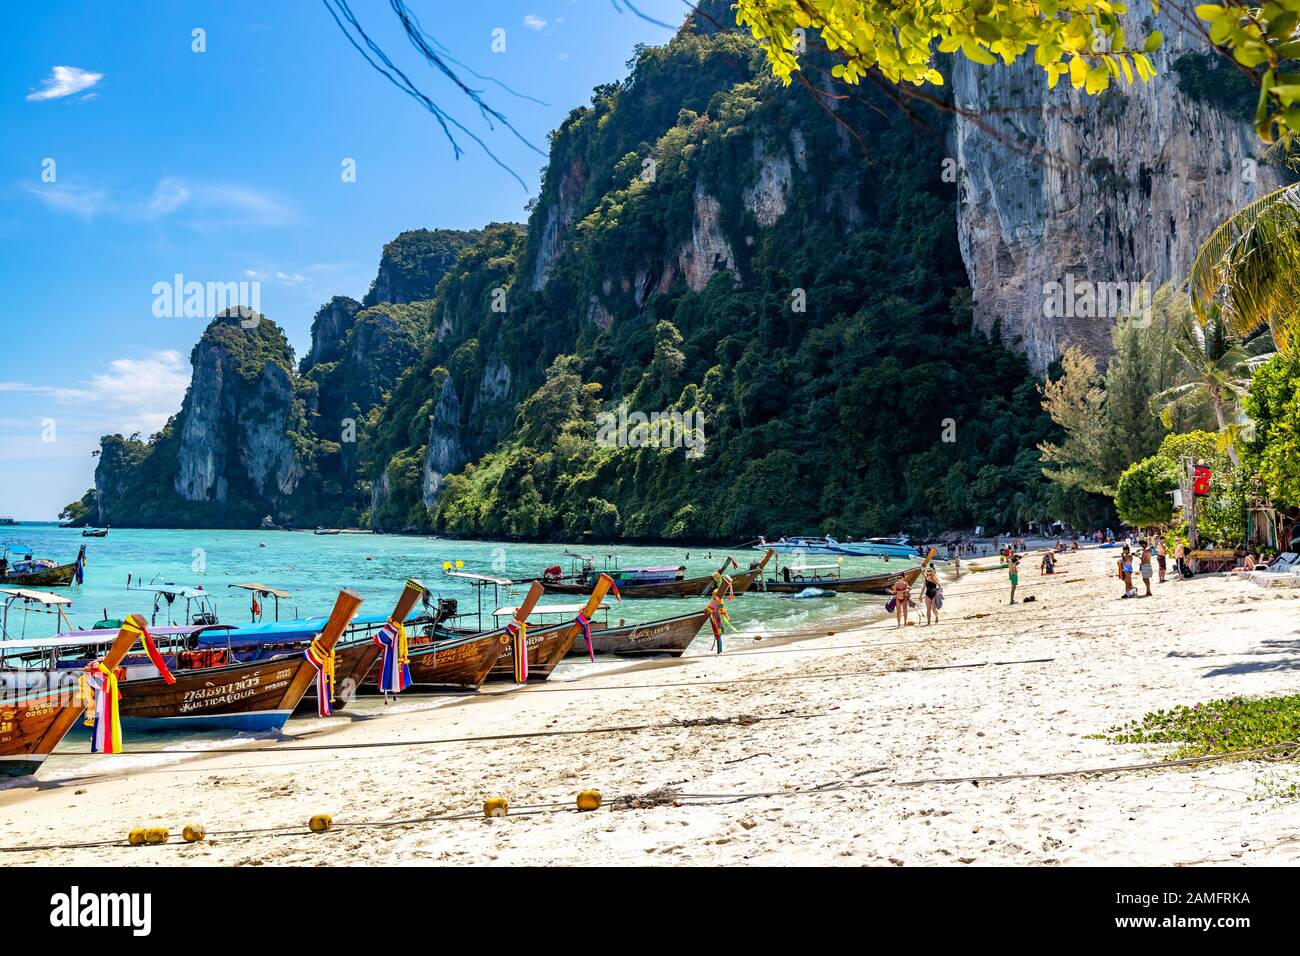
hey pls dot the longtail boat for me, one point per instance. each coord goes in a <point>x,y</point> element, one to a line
<point>33,722</point>
<point>254,695</point>
<point>356,659</point>
<point>547,646</point>
<point>451,659</point>
<point>701,586</point>
<point>667,637</point>
<point>802,579</point>
<point>41,573</point>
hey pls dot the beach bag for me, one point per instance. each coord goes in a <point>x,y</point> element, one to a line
<point>891,604</point>
<point>938,599</point>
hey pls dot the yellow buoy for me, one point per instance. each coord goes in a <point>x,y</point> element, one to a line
<point>496,807</point>
<point>156,835</point>
<point>321,822</point>
<point>589,800</point>
<point>136,837</point>
<point>194,832</point>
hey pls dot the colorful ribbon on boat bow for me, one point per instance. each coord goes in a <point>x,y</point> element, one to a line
<point>99,689</point>
<point>151,649</point>
<point>323,661</point>
<point>720,579</point>
<point>518,631</point>
<point>584,625</point>
<point>395,672</point>
<point>719,619</point>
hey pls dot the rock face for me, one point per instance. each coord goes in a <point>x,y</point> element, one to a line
<point>235,423</point>
<point>329,328</point>
<point>767,198</point>
<point>414,263</point>
<point>708,249</point>
<point>1117,188</point>
<point>558,220</point>
<point>444,453</point>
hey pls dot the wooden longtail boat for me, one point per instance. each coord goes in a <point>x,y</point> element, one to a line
<point>463,660</point>
<point>548,645</point>
<point>870,584</point>
<point>56,577</point>
<point>701,586</point>
<point>33,722</point>
<point>670,636</point>
<point>257,695</point>
<point>355,660</point>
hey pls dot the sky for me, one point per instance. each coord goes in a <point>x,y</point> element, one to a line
<point>128,156</point>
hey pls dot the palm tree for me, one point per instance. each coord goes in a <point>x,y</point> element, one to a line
<point>1250,269</point>
<point>1217,367</point>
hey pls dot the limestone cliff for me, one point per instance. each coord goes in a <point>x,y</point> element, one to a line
<point>1121,187</point>
<point>237,417</point>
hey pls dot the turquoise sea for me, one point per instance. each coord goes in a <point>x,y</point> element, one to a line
<point>313,568</point>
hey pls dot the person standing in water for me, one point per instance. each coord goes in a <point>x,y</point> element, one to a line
<point>1013,573</point>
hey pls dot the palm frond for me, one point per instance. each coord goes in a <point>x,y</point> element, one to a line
<point>1248,271</point>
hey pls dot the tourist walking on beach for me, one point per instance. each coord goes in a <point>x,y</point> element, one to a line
<point>1162,550</point>
<point>902,599</point>
<point>1013,573</point>
<point>1144,565</point>
<point>931,594</point>
<point>1180,557</point>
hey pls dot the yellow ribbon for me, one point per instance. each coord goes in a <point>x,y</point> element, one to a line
<point>403,654</point>
<point>89,695</point>
<point>327,664</point>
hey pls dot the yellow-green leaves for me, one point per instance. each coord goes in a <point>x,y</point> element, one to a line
<point>1083,37</point>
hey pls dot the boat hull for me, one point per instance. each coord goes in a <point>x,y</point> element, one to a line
<point>253,695</point>
<point>547,646</point>
<point>873,584</point>
<point>59,577</point>
<point>461,661</point>
<point>668,637</point>
<point>353,662</point>
<point>691,587</point>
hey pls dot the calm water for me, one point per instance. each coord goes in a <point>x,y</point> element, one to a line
<point>313,568</point>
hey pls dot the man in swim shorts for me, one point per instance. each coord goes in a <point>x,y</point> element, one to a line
<point>1144,565</point>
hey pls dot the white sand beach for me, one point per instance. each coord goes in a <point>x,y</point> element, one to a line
<point>993,690</point>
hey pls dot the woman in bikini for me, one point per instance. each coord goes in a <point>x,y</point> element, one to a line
<point>902,600</point>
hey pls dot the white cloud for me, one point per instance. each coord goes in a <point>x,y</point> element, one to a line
<point>77,200</point>
<point>210,203</point>
<point>534,22</point>
<point>134,395</point>
<point>64,81</point>
<point>141,394</point>
<point>168,196</point>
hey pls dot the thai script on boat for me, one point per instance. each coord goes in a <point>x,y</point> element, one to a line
<point>636,429</point>
<point>206,300</point>
<point>202,698</point>
<point>1084,299</point>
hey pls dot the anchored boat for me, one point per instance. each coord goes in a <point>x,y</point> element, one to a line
<point>18,568</point>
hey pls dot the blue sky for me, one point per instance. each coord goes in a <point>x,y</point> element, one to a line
<point>225,165</point>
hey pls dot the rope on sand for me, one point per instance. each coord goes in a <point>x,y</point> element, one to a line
<point>743,720</point>
<point>667,796</point>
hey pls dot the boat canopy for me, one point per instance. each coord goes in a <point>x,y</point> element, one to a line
<point>298,631</point>
<point>40,597</point>
<point>262,589</point>
<point>545,609</point>
<point>190,594</point>
<point>487,579</point>
<point>106,634</point>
